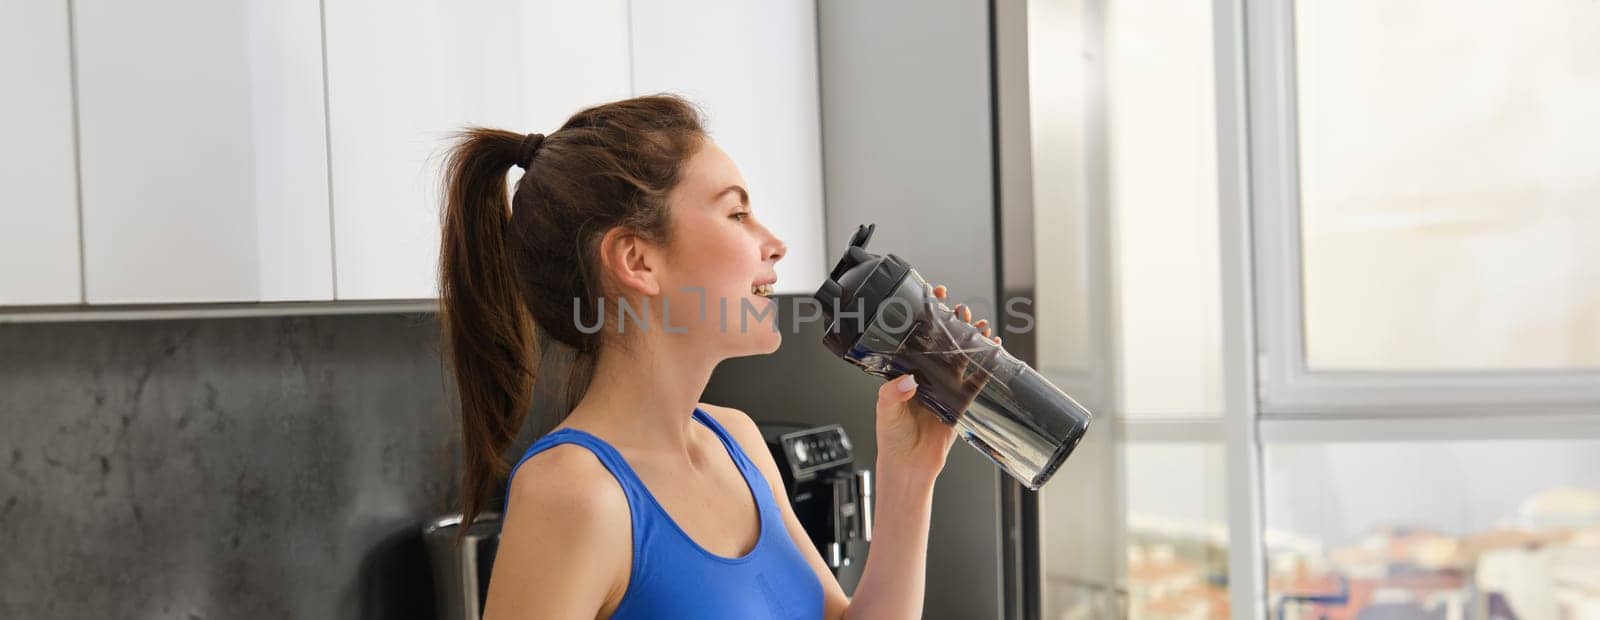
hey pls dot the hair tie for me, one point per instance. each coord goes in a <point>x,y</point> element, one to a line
<point>530,145</point>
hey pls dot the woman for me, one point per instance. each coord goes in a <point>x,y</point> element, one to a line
<point>644,503</point>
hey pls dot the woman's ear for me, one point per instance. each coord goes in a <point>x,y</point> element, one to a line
<point>632,260</point>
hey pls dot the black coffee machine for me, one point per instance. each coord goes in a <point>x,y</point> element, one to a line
<point>832,499</point>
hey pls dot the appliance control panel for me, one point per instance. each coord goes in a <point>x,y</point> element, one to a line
<point>816,449</point>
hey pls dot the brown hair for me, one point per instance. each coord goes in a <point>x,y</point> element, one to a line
<point>510,271</point>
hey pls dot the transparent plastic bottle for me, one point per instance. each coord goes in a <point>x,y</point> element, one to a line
<point>883,317</point>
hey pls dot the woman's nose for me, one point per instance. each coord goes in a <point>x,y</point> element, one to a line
<point>777,250</point>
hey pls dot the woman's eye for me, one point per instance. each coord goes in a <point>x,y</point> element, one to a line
<point>741,215</point>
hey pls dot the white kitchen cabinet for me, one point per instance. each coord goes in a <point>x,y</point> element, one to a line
<point>404,74</point>
<point>290,150</point>
<point>38,168</point>
<point>752,67</point>
<point>204,151</point>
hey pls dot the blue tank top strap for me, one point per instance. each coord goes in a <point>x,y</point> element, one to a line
<point>722,434</point>
<point>752,474</point>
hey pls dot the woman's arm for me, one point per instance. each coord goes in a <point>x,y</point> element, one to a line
<point>912,445</point>
<point>565,547</point>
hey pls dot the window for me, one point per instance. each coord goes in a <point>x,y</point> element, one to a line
<point>1342,329</point>
<point>1422,193</point>
<point>1124,199</point>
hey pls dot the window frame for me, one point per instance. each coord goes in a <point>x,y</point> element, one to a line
<point>1247,587</point>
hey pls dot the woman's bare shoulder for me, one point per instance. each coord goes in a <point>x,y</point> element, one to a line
<point>567,481</point>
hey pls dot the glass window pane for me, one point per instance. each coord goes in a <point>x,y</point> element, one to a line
<point>1163,193</point>
<point>1159,173</point>
<point>1461,529</point>
<point>1059,101</point>
<point>1177,531</point>
<point>1079,533</point>
<point>1174,539</point>
<point>1450,195</point>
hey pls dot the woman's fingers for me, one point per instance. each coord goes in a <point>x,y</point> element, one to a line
<point>895,391</point>
<point>965,313</point>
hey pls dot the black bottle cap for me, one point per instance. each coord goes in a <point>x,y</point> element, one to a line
<point>857,286</point>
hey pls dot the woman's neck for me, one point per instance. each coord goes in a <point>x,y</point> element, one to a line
<point>644,398</point>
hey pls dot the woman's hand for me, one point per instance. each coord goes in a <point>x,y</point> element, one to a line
<point>912,441</point>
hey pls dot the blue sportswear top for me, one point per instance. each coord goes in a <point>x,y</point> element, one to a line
<point>674,577</point>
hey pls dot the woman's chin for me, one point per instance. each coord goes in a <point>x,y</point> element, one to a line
<point>754,326</point>
<point>761,339</point>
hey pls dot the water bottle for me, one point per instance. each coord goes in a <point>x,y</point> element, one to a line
<point>883,317</point>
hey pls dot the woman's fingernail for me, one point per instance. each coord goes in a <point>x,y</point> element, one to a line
<point>906,383</point>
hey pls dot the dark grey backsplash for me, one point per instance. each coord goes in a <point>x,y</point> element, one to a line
<point>221,468</point>
<point>275,467</point>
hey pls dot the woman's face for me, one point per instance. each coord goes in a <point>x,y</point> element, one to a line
<point>720,245</point>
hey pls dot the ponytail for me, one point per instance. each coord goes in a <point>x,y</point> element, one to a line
<point>488,335</point>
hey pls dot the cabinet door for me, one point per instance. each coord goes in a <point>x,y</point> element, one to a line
<point>403,75</point>
<point>39,213</point>
<point>204,150</point>
<point>752,66</point>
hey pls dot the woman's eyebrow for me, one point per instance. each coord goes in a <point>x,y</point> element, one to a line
<point>744,197</point>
